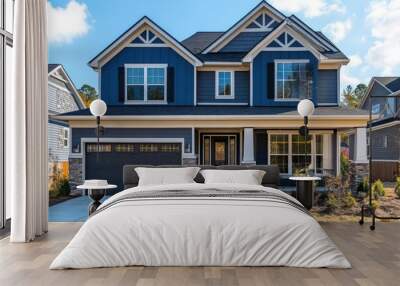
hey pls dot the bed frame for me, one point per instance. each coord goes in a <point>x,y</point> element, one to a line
<point>270,179</point>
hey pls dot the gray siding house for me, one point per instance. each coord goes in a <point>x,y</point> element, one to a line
<point>385,137</point>
<point>62,97</point>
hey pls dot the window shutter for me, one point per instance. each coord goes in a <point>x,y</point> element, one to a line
<point>121,84</point>
<point>270,80</point>
<point>170,84</point>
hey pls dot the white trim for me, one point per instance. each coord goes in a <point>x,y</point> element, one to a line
<point>327,104</point>
<point>68,138</point>
<point>213,117</point>
<point>115,47</point>
<point>145,84</point>
<point>289,49</point>
<point>223,63</point>
<point>383,160</point>
<point>228,134</point>
<point>59,87</point>
<point>290,154</point>
<point>235,29</point>
<point>386,125</point>
<point>251,83</point>
<point>283,27</point>
<point>194,86</point>
<point>150,45</point>
<point>261,29</point>
<point>222,103</point>
<point>276,62</point>
<point>232,75</point>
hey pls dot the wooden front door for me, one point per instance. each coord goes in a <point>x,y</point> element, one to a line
<point>219,151</point>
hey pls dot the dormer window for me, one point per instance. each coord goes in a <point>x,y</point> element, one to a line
<point>224,84</point>
<point>146,83</point>
<point>292,80</point>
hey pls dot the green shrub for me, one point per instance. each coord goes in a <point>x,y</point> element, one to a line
<point>60,185</point>
<point>363,187</point>
<point>397,187</point>
<point>332,202</point>
<point>64,187</point>
<point>348,200</point>
<point>378,189</point>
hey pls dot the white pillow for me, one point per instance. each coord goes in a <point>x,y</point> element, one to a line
<point>166,176</point>
<point>247,177</point>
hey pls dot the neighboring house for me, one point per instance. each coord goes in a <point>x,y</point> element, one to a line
<point>62,97</point>
<point>215,98</point>
<point>385,137</point>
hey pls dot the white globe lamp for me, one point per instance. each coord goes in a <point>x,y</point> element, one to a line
<point>98,108</point>
<point>305,108</point>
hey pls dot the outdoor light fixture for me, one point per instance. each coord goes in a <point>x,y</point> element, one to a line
<point>305,108</point>
<point>98,108</point>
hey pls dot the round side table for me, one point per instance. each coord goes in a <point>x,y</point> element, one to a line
<point>96,193</point>
<point>305,190</point>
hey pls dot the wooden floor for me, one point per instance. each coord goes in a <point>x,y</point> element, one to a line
<point>375,257</point>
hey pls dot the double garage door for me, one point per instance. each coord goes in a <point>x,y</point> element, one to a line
<point>109,161</point>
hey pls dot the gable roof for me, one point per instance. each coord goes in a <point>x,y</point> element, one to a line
<point>262,5</point>
<point>52,68</point>
<point>119,43</point>
<point>390,82</point>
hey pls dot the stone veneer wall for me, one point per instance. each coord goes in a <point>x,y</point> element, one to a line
<point>75,172</point>
<point>358,172</point>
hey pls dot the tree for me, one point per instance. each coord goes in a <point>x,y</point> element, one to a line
<point>352,97</point>
<point>88,94</point>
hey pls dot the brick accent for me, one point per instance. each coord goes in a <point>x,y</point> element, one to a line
<point>358,172</point>
<point>75,172</point>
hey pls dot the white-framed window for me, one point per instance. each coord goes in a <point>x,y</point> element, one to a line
<point>288,152</point>
<point>65,137</point>
<point>224,84</point>
<point>146,83</point>
<point>292,80</point>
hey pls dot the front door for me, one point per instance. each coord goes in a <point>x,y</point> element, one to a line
<point>219,151</point>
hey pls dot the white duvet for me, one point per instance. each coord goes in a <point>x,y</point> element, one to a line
<point>200,231</point>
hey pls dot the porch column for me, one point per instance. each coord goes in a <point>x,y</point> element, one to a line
<point>361,154</point>
<point>248,146</point>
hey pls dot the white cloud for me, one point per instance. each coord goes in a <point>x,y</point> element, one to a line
<point>67,23</point>
<point>347,72</point>
<point>310,8</point>
<point>383,17</point>
<point>338,30</point>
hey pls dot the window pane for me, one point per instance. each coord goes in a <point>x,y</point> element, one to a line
<point>300,162</point>
<point>135,76</point>
<point>155,92</point>
<point>282,162</point>
<point>292,80</point>
<point>299,146</point>
<point>319,164</point>
<point>319,147</point>
<point>135,92</point>
<point>279,144</point>
<point>206,151</point>
<point>224,83</point>
<point>155,76</point>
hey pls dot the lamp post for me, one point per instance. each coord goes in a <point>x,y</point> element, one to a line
<point>305,108</point>
<point>98,108</point>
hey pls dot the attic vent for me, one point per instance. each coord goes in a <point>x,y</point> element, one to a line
<point>262,23</point>
<point>147,37</point>
<point>285,40</point>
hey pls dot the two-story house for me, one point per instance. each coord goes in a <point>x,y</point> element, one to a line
<point>215,98</point>
<point>383,99</point>
<point>62,97</point>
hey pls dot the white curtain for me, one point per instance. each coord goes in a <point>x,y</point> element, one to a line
<point>28,123</point>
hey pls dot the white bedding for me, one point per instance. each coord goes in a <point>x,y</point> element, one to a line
<point>200,231</point>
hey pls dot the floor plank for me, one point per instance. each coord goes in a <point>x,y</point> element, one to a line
<point>375,257</point>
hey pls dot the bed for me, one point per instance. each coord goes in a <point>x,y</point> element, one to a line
<point>198,224</point>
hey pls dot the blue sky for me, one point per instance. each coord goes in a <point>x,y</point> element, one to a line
<point>368,32</point>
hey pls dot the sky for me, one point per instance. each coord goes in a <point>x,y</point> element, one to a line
<point>367,31</point>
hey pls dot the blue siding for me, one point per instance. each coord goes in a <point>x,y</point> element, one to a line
<point>244,42</point>
<point>260,91</point>
<point>206,87</point>
<point>184,72</point>
<point>327,86</point>
<point>185,133</point>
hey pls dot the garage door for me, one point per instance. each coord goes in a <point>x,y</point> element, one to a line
<point>109,162</point>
